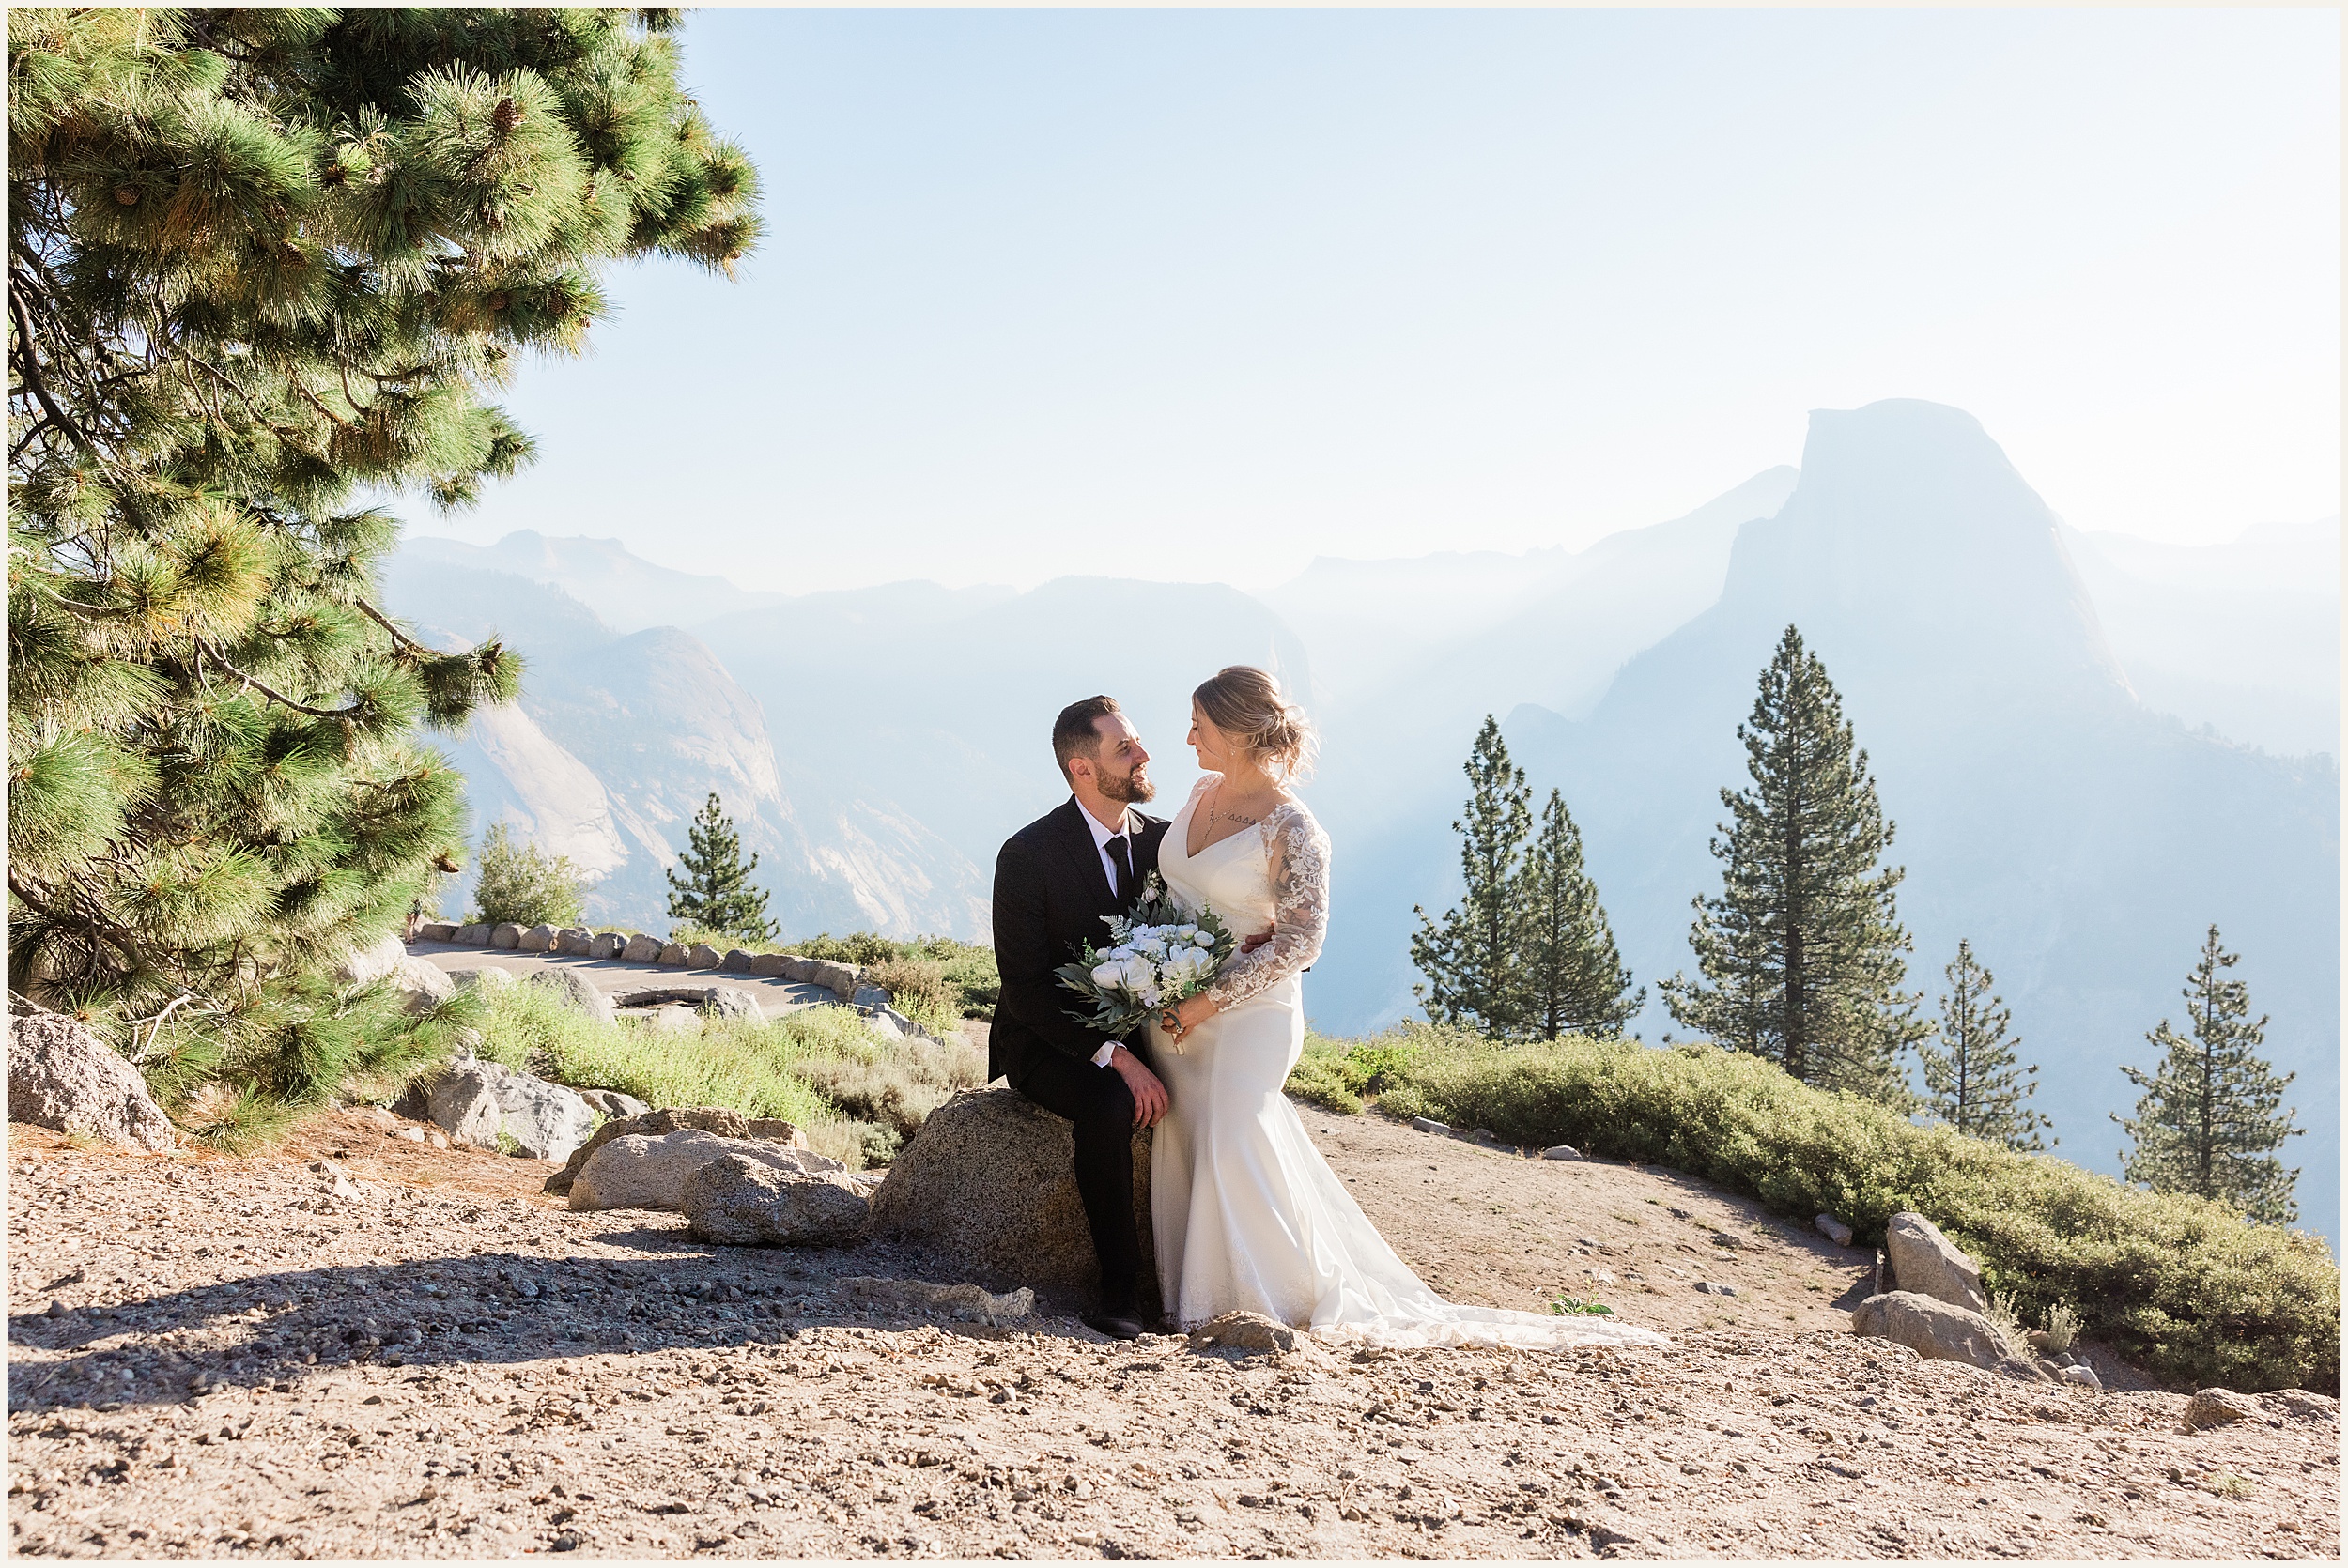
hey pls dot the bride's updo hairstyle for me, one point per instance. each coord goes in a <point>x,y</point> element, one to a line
<point>1245,704</point>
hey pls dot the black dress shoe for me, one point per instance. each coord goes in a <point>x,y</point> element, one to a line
<point>1118,1323</point>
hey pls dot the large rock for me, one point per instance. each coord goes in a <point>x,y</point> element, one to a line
<point>575,990</point>
<point>737,1201</point>
<point>571,941</point>
<point>1939,1331</point>
<point>731,1002</point>
<point>703,956</point>
<point>61,1075</point>
<point>841,979</point>
<point>371,962</point>
<point>634,1171</point>
<point>769,965</point>
<point>606,944</point>
<point>737,961</point>
<point>673,954</point>
<point>422,986</point>
<point>725,1123</point>
<point>506,934</point>
<point>486,979</point>
<point>643,949</point>
<point>869,997</point>
<point>1928,1264</point>
<point>539,939</point>
<point>1029,1228</point>
<point>476,935</point>
<point>436,930</point>
<point>480,1100</point>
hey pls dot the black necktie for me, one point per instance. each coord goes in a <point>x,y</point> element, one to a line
<point>1124,885</point>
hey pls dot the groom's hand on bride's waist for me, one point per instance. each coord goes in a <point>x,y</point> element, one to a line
<point>1149,1094</point>
<point>1249,944</point>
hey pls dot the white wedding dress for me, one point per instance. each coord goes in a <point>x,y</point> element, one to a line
<point>1245,1213</point>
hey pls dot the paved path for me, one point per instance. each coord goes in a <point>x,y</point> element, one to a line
<point>612,976</point>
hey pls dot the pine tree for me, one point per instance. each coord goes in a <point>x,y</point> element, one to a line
<point>1972,1079</point>
<point>715,894</point>
<point>266,265</point>
<point>1574,979</point>
<point>1801,953</point>
<point>2212,1113</point>
<point>1473,959</point>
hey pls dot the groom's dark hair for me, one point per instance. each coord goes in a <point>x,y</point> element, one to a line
<point>1076,732</point>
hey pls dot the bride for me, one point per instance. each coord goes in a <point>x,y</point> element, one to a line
<point>1247,1214</point>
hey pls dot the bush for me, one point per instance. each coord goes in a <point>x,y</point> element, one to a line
<point>918,989</point>
<point>1337,1073</point>
<point>2183,1286</point>
<point>522,884</point>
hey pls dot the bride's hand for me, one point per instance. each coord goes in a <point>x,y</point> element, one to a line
<point>1186,1015</point>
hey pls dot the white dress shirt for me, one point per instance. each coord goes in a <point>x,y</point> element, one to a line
<point>1101,836</point>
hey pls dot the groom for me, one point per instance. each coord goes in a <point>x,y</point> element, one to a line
<point>1054,880</point>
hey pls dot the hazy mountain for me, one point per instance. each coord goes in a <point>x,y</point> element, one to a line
<point>2242,636</point>
<point>2081,841</point>
<point>940,702</point>
<point>625,592</point>
<point>1563,619</point>
<point>617,739</point>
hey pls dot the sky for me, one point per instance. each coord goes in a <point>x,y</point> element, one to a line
<point>1202,295</point>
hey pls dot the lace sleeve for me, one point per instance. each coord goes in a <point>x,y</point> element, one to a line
<point>1299,852</point>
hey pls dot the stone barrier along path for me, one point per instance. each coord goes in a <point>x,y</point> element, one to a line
<point>614,977</point>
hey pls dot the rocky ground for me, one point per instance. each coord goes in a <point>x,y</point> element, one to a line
<point>363,1347</point>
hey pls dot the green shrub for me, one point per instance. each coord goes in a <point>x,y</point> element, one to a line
<point>918,989</point>
<point>1337,1073</point>
<point>2183,1286</point>
<point>523,884</point>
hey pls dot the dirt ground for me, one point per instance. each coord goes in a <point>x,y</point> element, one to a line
<point>443,1363</point>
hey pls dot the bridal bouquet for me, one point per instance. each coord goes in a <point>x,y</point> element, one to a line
<point>1156,957</point>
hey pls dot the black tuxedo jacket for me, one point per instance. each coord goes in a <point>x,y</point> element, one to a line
<point>1050,892</point>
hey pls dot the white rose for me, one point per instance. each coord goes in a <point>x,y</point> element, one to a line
<point>1108,976</point>
<point>1139,974</point>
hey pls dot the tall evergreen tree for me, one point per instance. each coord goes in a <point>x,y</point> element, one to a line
<point>1972,1079</point>
<point>1473,959</point>
<point>263,264</point>
<point>715,893</point>
<point>1573,978</point>
<point>1801,953</point>
<point>2212,1113</point>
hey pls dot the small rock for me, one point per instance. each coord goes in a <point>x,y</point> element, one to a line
<point>1709,1288</point>
<point>575,991</point>
<point>731,1002</point>
<point>633,1170</point>
<point>2300,1402</point>
<point>965,1303</point>
<point>63,1075</point>
<point>1833,1230</point>
<point>1722,1238</point>
<point>56,1309</point>
<point>413,1134</point>
<point>1244,1331</point>
<point>1928,1263</point>
<point>435,1140</point>
<point>612,1104</point>
<point>2218,1408</point>
<point>1561,1151</point>
<point>2081,1374</point>
<point>1485,1136</point>
<point>1426,1124</point>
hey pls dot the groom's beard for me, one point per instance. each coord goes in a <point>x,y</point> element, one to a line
<point>1135,789</point>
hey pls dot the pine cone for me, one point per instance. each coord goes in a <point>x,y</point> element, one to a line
<point>126,195</point>
<point>498,300</point>
<point>505,116</point>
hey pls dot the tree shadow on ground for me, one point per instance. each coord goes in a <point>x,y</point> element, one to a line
<point>482,1309</point>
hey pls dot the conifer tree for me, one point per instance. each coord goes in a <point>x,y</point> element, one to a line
<point>2212,1113</point>
<point>1574,979</point>
<point>266,265</point>
<point>715,893</point>
<point>1801,954</point>
<point>1971,1077</point>
<point>1472,958</point>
